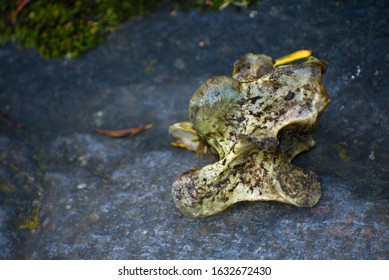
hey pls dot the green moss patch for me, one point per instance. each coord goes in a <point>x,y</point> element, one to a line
<point>69,27</point>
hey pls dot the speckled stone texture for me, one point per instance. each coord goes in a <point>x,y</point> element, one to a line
<point>103,198</point>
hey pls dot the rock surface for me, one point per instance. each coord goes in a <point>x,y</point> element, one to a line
<point>67,192</point>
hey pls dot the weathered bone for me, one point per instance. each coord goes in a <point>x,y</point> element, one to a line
<point>255,125</point>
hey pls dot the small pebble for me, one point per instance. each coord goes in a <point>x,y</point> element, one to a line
<point>81,186</point>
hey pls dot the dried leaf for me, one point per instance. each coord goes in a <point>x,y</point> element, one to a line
<point>297,55</point>
<point>123,132</point>
<point>8,122</point>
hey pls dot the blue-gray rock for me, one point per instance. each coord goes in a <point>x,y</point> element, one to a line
<point>101,198</point>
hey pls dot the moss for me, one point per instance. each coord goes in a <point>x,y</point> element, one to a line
<point>31,221</point>
<point>342,152</point>
<point>20,203</point>
<point>150,66</point>
<point>71,27</point>
<point>58,28</point>
<point>7,188</point>
<point>40,162</point>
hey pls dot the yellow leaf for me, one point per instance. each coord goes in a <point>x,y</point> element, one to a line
<point>297,55</point>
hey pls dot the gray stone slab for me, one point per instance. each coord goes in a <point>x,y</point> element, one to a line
<point>103,198</point>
